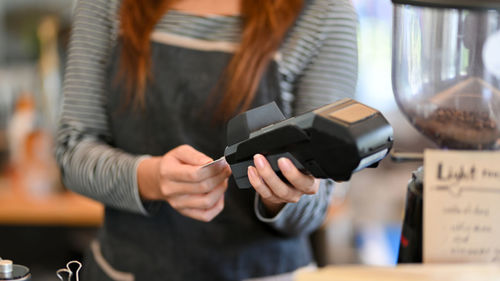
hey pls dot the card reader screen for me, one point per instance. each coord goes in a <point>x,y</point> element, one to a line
<point>353,113</point>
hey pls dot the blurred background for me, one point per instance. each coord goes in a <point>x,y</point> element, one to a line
<point>43,226</point>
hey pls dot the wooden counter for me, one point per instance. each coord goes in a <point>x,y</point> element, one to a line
<point>415,272</point>
<point>60,209</point>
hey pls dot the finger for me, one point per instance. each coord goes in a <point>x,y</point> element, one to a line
<point>214,169</point>
<point>275,184</point>
<point>258,184</point>
<point>173,188</point>
<point>198,201</point>
<point>190,156</point>
<point>205,215</point>
<point>297,179</point>
<point>195,174</point>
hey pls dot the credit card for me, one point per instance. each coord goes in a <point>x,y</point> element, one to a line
<point>214,162</point>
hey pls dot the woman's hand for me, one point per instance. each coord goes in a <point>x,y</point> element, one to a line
<point>179,178</point>
<point>274,192</point>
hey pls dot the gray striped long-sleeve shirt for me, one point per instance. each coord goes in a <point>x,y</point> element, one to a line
<point>317,64</point>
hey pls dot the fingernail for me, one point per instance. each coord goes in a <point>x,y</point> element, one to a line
<point>259,162</point>
<point>221,165</point>
<point>285,164</point>
<point>251,172</point>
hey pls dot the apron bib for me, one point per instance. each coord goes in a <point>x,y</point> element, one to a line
<point>167,245</point>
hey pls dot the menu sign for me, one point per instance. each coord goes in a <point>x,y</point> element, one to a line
<point>461,206</point>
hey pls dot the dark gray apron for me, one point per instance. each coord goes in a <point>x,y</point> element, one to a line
<point>167,245</point>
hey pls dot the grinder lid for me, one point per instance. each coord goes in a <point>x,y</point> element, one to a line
<point>458,4</point>
<point>13,272</point>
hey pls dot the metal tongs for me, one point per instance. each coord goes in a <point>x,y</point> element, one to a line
<point>71,272</point>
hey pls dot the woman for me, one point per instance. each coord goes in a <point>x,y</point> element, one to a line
<point>148,89</point>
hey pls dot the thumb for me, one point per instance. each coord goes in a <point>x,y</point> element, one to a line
<point>190,156</point>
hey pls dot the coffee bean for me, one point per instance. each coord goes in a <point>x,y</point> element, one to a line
<point>459,129</point>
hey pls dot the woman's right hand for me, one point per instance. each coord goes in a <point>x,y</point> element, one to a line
<point>179,178</point>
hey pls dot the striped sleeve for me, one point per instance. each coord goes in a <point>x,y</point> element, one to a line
<point>89,165</point>
<point>330,74</point>
<point>299,218</point>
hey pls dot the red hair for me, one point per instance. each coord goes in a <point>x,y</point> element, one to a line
<point>265,23</point>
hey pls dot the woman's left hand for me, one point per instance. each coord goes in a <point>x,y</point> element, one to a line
<point>274,192</point>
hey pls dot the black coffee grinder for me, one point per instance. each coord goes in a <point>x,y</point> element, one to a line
<point>446,81</point>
